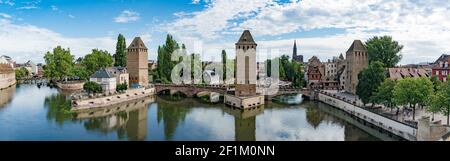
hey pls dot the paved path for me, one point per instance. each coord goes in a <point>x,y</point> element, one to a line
<point>405,114</point>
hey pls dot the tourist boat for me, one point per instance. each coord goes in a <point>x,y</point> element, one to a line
<point>105,100</point>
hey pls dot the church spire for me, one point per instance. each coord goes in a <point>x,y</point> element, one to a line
<point>294,53</point>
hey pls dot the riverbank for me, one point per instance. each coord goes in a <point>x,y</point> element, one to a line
<point>89,102</point>
<point>406,131</point>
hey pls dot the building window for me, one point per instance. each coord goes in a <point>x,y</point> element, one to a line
<point>437,72</point>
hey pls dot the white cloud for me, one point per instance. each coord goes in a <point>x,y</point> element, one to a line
<point>27,7</point>
<point>127,16</point>
<point>195,1</point>
<point>54,8</point>
<point>27,42</point>
<point>422,26</point>
<point>7,2</point>
<point>4,15</point>
<point>71,16</point>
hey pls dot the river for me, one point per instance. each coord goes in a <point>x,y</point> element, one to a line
<point>31,113</point>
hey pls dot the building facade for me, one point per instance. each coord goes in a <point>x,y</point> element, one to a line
<point>440,68</point>
<point>137,63</point>
<point>356,60</point>
<point>121,74</point>
<point>295,56</point>
<point>314,72</point>
<point>246,65</point>
<point>105,79</point>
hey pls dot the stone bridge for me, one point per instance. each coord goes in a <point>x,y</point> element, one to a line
<point>193,90</point>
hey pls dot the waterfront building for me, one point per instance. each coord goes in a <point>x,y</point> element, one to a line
<point>7,60</point>
<point>315,71</point>
<point>400,73</point>
<point>245,95</point>
<point>121,74</point>
<point>440,68</point>
<point>211,77</point>
<point>105,79</point>
<point>7,76</point>
<point>137,63</point>
<point>356,60</point>
<point>295,56</point>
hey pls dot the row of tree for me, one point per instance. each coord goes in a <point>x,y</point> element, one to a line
<point>61,65</point>
<point>373,86</point>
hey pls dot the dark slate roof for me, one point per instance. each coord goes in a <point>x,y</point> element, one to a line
<point>137,44</point>
<point>102,73</point>
<point>442,58</point>
<point>246,39</point>
<point>357,46</point>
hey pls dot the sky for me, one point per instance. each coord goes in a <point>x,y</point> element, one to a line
<point>323,28</point>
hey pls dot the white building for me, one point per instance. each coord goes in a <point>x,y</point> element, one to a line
<point>121,74</point>
<point>211,77</point>
<point>105,79</point>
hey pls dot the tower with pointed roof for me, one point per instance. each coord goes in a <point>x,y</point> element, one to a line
<point>356,59</point>
<point>246,65</point>
<point>295,56</point>
<point>137,59</point>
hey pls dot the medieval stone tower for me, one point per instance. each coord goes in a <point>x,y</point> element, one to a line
<point>137,63</point>
<point>357,60</point>
<point>246,65</point>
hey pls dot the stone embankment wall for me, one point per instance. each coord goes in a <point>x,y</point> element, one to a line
<point>398,128</point>
<point>108,100</point>
<point>74,85</point>
<point>7,79</point>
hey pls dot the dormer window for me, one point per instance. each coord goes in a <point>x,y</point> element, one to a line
<point>446,65</point>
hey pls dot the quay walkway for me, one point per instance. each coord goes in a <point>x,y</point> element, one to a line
<point>404,130</point>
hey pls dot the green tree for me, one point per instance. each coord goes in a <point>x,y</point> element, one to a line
<point>436,104</point>
<point>22,73</point>
<point>79,72</point>
<point>120,58</point>
<point>224,65</point>
<point>58,63</point>
<point>92,87</point>
<point>97,59</point>
<point>385,50</point>
<point>441,100</point>
<point>384,94</point>
<point>165,64</point>
<point>413,92</point>
<point>369,79</point>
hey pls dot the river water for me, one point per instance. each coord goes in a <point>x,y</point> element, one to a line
<point>28,112</point>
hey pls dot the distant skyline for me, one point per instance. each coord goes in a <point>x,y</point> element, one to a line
<point>325,28</point>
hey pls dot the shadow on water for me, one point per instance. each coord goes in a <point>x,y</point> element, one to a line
<point>6,96</point>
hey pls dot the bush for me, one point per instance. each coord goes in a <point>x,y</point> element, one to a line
<point>121,87</point>
<point>92,87</point>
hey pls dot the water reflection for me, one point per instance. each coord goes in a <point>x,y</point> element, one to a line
<point>291,99</point>
<point>44,114</point>
<point>128,120</point>
<point>172,113</point>
<point>6,95</point>
<point>58,109</point>
<point>244,122</point>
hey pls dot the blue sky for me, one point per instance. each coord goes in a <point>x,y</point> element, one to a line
<point>325,28</point>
